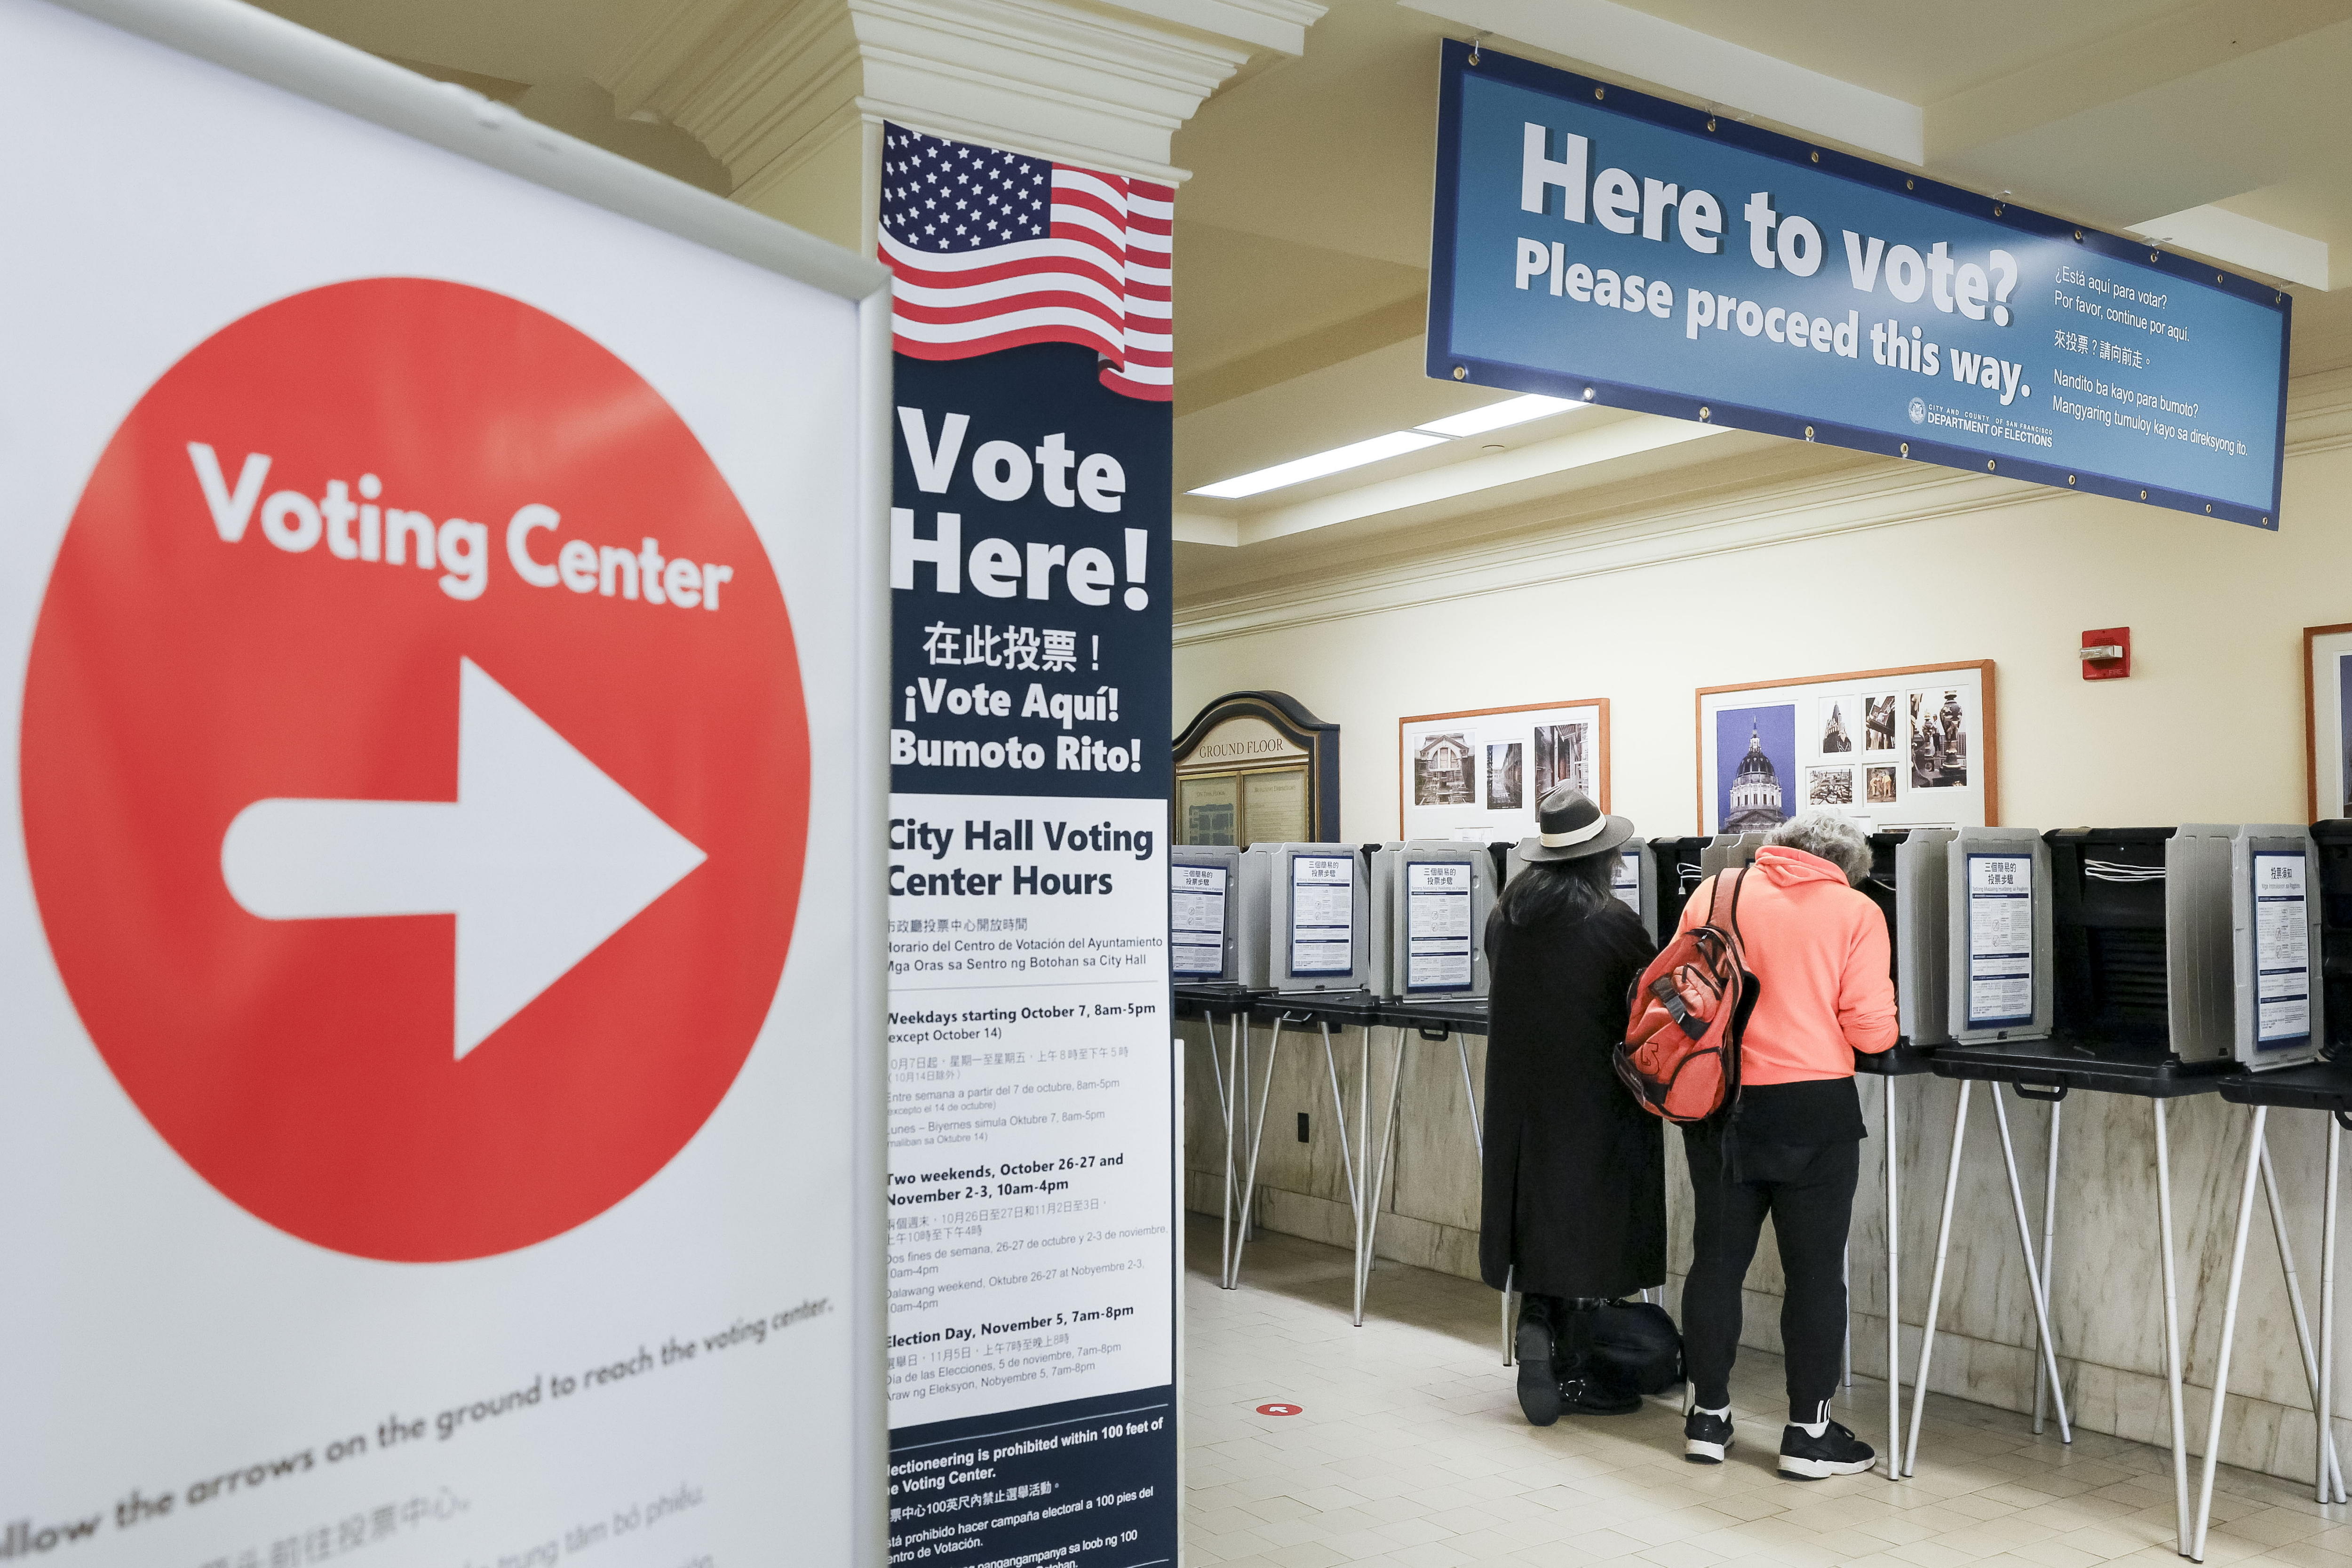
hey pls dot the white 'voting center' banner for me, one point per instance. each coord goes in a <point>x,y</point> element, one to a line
<point>440,1104</point>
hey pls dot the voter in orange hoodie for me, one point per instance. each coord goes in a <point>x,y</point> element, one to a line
<point>1789,1146</point>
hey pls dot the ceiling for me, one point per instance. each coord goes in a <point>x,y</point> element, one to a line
<point>1303,235</point>
<point>2123,113</point>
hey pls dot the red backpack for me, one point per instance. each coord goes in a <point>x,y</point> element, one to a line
<point>1681,1052</point>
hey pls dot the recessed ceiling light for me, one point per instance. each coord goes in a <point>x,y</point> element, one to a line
<point>1300,469</point>
<point>1495,416</point>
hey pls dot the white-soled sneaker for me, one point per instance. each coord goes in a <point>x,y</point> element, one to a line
<point>1705,1436</point>
<point>1836,1452</point>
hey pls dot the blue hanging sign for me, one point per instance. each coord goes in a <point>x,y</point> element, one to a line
<point>1596,243</point>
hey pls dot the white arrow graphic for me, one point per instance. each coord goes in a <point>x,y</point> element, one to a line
<point>540,858</point>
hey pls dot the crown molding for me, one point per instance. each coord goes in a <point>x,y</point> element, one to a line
<point>1751,519</point>
<point>2319,413</point>
<point>767,85</point>
<point>1279,25</point>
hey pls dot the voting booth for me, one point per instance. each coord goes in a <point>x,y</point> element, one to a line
<point>1917,929</point>
<point>1729,852</point>
<point>1203,942</point>
<point>1305,918</point>
<point>1430,899</point>
<point>2200,939</point>
<point>2333,839</point>
<point>1997,932</point>
<point>1674,870</point>
<point>2277,1009</point>
<point>1635,881</point>
<point>1632,879</point>
<point>1971,925</point>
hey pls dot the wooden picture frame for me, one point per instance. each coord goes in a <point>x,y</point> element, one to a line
<point>1514,727</point>
<point>1909,798</point>
<point>1245,740</point>
<point>2327,777</point>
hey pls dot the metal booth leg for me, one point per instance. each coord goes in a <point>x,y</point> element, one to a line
<point>1235,1030</point>
<point>1257,1139</point>
<point>1347,1160</point>
<point>2049,1239</point>
<point>2324,1411</point>
<point>2330,1471</point>
<point>1363,1141</point>
<point>1935,1281</point>
<point>2196,1548</point>
<point>1845,1283</point>
<point>1894,1303</point>
<point>2171,1323</point>
<point>2033,1280</point>
<point>1380,1173</point>
<point>1217,1066</point>
<point>1478,1141</point>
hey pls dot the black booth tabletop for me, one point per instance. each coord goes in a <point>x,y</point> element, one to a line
<point>2149,1072</point>
<point>1899,1060</point>
<point>1362,1010</point>
<point>1469,1017</point>
<point>2314,1085</point>
<point>1201,999</point>
<point>1356,1009</point>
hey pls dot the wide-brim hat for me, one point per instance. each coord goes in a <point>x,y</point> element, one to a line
<point>1570,827</point>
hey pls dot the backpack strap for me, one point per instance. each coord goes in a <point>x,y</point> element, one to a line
<point>1738,879</point>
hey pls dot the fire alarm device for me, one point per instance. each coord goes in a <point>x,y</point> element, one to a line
<point>2107,655</point>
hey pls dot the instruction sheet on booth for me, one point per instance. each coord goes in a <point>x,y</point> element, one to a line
<point>2282,950</point>
<point>2000,938</point>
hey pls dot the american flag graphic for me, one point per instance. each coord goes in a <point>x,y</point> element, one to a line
<point>990,249</point>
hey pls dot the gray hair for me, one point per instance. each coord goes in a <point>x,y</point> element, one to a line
<point>1830,835</point>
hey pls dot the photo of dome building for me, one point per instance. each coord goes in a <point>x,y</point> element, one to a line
<point>1758,782</point>
<point>1756,793</point>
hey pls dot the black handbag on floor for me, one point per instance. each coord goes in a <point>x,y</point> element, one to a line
<point>1632,1347</point>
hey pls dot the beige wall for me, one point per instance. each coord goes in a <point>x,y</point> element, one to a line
<point>2209,727</point>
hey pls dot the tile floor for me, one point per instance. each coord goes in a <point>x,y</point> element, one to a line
<point>1410,1450</point>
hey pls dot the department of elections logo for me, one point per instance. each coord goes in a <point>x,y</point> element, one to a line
<point>1918,411</point>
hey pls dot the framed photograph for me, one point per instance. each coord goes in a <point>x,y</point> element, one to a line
<point>1939,739</point>
<point>1878,723</point>
<point>1479,775</point>
<point>1756,766</point>
<point>1445,770</point>
<point>1896,748</point>
<point>1504,774</point>
<point>2326,722</point>
<point>1836,731</point>
<point>1829,787</point>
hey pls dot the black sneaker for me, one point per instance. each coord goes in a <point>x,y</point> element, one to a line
<point>1539,1387</point>
<point>1705,1437</point>
<point>1836,1452</point>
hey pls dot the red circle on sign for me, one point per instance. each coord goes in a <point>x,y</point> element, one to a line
<point>1278,1409</point>
<point>314,1066</point>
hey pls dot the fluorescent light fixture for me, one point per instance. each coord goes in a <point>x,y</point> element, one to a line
<point>1478,421</point>
<point>1496,416</point>
<point>1300,469</point>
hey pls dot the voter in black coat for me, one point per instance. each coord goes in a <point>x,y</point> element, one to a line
<point>1573,1203</point>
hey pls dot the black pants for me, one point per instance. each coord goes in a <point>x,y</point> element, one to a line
<point>1809,1193</point>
